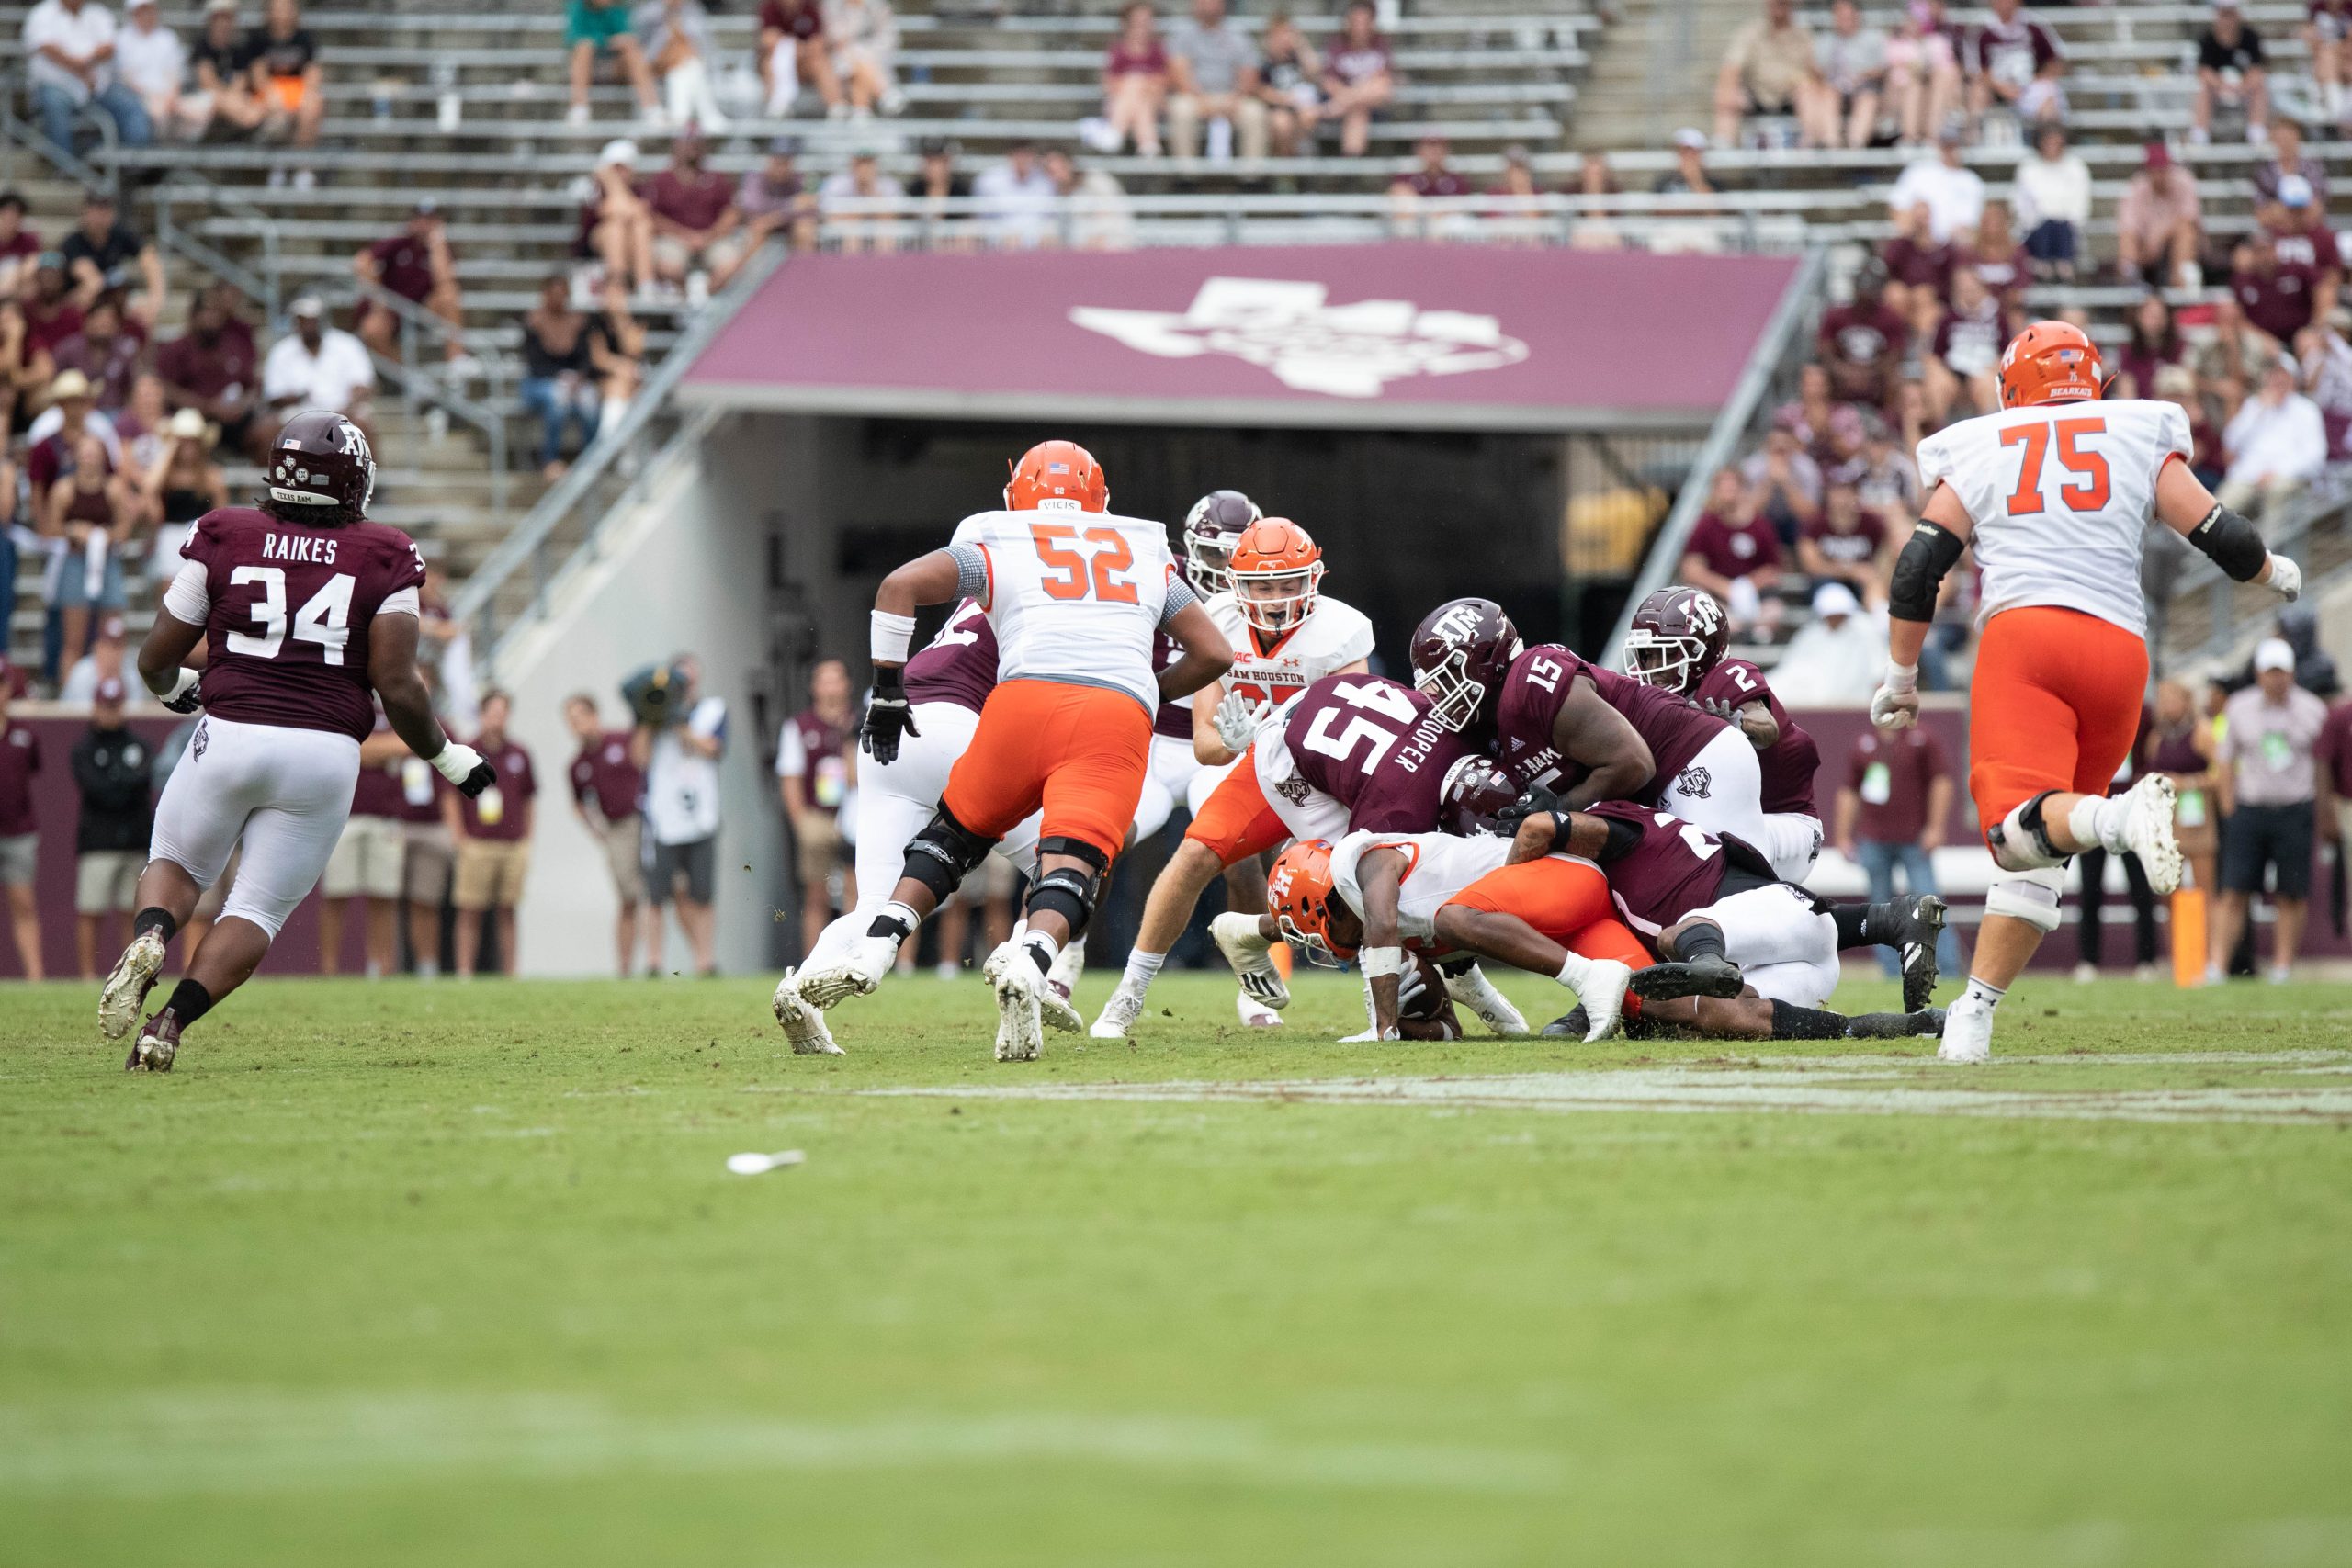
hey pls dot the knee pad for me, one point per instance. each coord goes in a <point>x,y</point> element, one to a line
<point>943,853</point>
<point>2020,841</point>
<point>1066,890</point>
<point>2032,897</point>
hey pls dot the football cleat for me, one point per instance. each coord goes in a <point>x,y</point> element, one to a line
<point>1253,1013</point>
<point>1570,1025</point>
<point>1917,929</point>
<point>158,1043</point>
<point>127,987</point>
<point>1968,1032</point>
<point>1020,1032</point>
<point>1236,936</point>
<point>856,974</point>
<point>1119,1014</point>
<point>1708,976</point>
<point>804,1026</point>
<point>1928,1022</point>
<point>1603,996</point>
<point>1471,988</point>
<point>1070,963</point>
<point>2147,832</point>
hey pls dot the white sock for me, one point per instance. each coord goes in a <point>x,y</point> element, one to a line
<point>1983,991</point>
<point>1575,971</point>
<point>2097,820</point>
<point>1141,968</point>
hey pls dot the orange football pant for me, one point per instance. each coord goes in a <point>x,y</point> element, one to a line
<point>1235,820</point>
<point>1566,900</point>
<point>2054,704</point>
<point>1080,752</point>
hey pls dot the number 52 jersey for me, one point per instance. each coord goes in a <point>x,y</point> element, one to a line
<point>1073,596</point>
<point>2060,495</point>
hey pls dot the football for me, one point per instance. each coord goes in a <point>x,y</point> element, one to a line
<point>1424,1009</point>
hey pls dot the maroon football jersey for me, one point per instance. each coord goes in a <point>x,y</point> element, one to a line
<point>1788,764</point>
<point>1674,869</point>
<point>1368,743</point>
<point>1537,685</point>
<point>1171,718</point>
<point>958,665</point>
<point>291,608</point>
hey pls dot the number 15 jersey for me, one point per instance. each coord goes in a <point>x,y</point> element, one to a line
<point>2060,495</point>
<point>1072,596</point>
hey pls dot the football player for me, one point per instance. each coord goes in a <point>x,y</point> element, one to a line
<point>1286,636</point>
<point>1074,594</point>
<point>2055,492</point>
<point>308,615</point>
<point>1677,644</point>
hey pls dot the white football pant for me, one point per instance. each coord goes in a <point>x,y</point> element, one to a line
<point>285,793</point>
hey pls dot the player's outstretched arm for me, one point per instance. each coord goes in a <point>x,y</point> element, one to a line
<point>391,669</point>
<point>2229,541</point>
<point>1588,731</point>
<point>1380,873</point>
<point>169,641</point>
<point>1207,656</point>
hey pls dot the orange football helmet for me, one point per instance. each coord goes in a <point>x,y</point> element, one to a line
<point>1059,475</point>
<point>1276,567</point>
<point>1300,896</point>
<point>2051,362</point>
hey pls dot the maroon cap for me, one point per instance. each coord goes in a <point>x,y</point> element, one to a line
<point>2159,155</point>
<point>109,691</point>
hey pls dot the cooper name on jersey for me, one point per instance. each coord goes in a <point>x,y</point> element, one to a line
<point>308,548</point>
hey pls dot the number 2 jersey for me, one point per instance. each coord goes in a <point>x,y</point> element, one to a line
<point>1788,765</point>
<point>286,610</point>
<point>1072,596</point>
<point>2060,495</point>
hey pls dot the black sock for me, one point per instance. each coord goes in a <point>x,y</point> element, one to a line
<point>189,1002</point>
<point>1793,1022</point>
<point>1853,922</point>
<point>152,918</point>
<point>1700,939</point>
<point>890,926</point>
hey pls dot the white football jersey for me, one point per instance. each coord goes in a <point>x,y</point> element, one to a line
<point>1074,596</point>
<point>1334,635</point>
<point>1439,866</point>
<point>2060,495</point>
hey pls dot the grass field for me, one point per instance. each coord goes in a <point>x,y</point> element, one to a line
<point>456,1275</point>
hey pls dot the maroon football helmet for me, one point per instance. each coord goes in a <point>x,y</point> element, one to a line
<point>1678,635</point>
<point>1461,653</point>
<point>321,470</point>
<point>1211,530</point>
<point>1473,794</point>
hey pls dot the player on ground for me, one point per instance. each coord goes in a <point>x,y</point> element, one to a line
<point>1286,636</point>
<point>2054,491</point>
<point>1677,644</point>
<point>309,612</point>
<point>1074,594</point>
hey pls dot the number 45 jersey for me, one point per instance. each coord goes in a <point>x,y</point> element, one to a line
<point>2061,495</point>
<point>1355,753</point>
<point>288,613</point>
<point>1073,596</point>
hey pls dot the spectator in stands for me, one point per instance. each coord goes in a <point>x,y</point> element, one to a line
<point>212,368</point>
<point>1886,480</point>
<point>1017,199</point>
<point>153,62</point>
<point>318,366</point>
<point>217,62</point>
<point>2053,201</point>
<point>593,28</point>
<point>812,768</point>
<point>1811,412</point>
<point>55,440</point>
<point>69,49</point>
<point>2177,384</point>
<point>1785,481</point>
<point>2326,361</point>
<point>605,787</point>
<point>861,205</point>
<point>1919,270</point>
<point>1861,343</point>
<point>1733,553</point>
<point>52,315</point>
<point>1094,205</point>
<point>1837,106</point>
<point>2152,341</point>
<point>178,483</point>
<point>1516,211</point>
<point>96,513</point>
<point>1689,177</point>
<point>2286,272</point>
<point>1922,80</point>
<point>18,245</point>
<point>616,226</point>
<point>1966,361</point>
<point>2231,361</point>
<point>1952,193</point>
<point>2231,73</point>
<point>793,50</point>
<point>283,63</point>
<point>2330,25</point>
<point>1993,254</point>
<point>20,830</point>
<point>2269,780</point>
<point>1832,662</point>
<point>773,200</point>
<point>1768,61</point>
<point>694,215</point>
<point>1213,80</point>
<point>617,351</point>
<point>2014,63</point>
<point>24,372</point>
<point>1433,179</point>
<point>417,265</point>
<point>1891,816</point>
<point>2277,443</point>
<point>559,381</point>
<point>110,769</point>
<point>1290,83</point>
<point>1359,77</point>
<point>937,183</point>
<point>1846,543</point>
<point>491,833</point>
<point>104,255</point>
<point>1135,83</point>
<point>105,352</point>
<point>2160,223</point>
<point>675,37</point>
<point>863,37</point>
<point>2288,157</point>
<point>1591,229</point>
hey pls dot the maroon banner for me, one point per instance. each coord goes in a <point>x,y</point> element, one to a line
<point>1395,336</point>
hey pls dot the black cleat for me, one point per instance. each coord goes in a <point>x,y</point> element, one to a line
<point>1917,931</point>
<point>1926,1021</point>
<point>1573,1024</point>
<point>1709,977</point>
<point>158,1041</point>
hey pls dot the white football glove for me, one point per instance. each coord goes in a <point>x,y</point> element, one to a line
<point>1238,720</point>
<point>2286,579</point>
<point>1896,703</point>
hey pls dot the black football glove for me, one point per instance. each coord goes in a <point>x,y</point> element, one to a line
<point>481,779</point>
<point>466,768</point>
<point>889,717</point>
<point>1537,798</point>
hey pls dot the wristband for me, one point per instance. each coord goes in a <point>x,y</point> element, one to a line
<point>1901,677</point>
<point>456,761</point>
<point>182,680</point>
<point>892,636</point>
<point>1375,961</point>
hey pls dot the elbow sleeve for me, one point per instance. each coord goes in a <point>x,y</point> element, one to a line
<point>1927,556</point>
<point>2231,543</point>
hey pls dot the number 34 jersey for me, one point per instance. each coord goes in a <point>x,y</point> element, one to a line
<point>287,611</point>
<point>1074,596</point>
<point>2060,495</point>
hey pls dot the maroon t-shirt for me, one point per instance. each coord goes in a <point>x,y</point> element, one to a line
<point>958,665</point>
<point>1174,719</point>
<point>1969,344</point>
<point>1860,345</point>
<point>1149,61</point>
<point>799,21</point>
<point>1788,764</point>
<point>404,266</point>
<point>47,329</point>
<point>819,742</point>
<point>1733,549</point>
<point>210,370</point>
<point>1891,774</point>
<point>516,783</point>
<point>1368,743</point>
<point>291,608</point>
<point>50,459</point>
<point>19,761</point>
<point>435,787</point>
<point>1537,686</point>
<point>1437,183</point>
<point>603,774</point>
<point>2334,750</point>
<point>1859,547</point>
<point>1917,265</point>
<point>2280,302</point>
<point>379,792</point>
<point>695,202</point>
<point>1675,868</point>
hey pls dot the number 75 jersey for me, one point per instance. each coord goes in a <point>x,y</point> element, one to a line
<point>1073,596</point>
<point>2060,495</point>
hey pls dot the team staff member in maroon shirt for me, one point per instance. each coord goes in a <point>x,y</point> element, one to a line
<point>19,842</point>
<point>605,789</point>
<point>1890,813</point>
<point>369,866</point>
<point>493,831</point>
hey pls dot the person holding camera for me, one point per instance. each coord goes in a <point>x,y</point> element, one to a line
<point>679,736</point>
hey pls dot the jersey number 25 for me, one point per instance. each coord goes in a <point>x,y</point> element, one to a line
<point>2087,464</point>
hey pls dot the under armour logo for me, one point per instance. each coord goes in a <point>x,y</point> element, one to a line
<point>1695,781</point>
